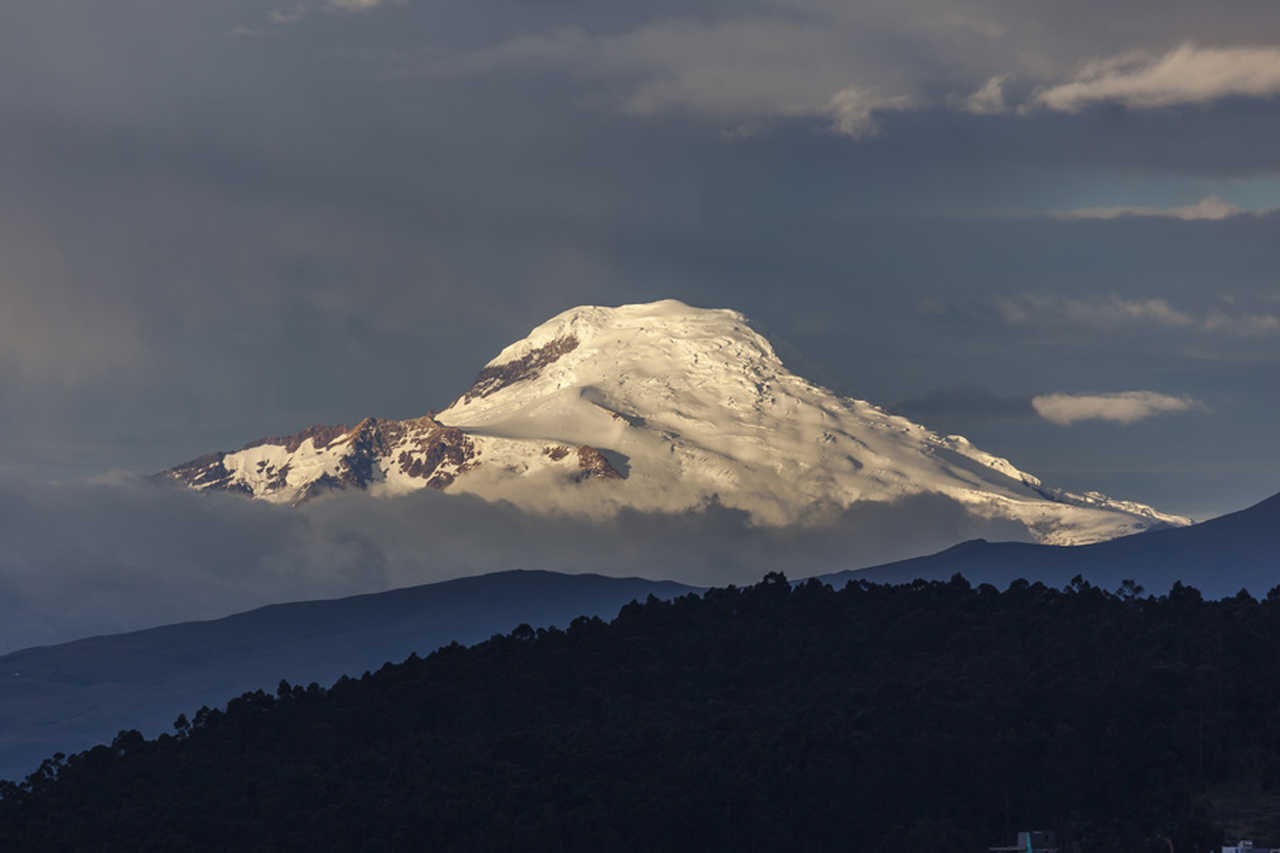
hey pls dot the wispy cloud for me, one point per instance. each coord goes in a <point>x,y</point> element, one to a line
<point>1185,75</point>
<point>285,16</point>
<point>243,32</point>
<point>1124,407</point>
<point>1114,312</point>
<point>288,16</point>
<point>1247,325</point>
<point>1102,313</point>
<point>1209,208</point>
<point>738,70</point>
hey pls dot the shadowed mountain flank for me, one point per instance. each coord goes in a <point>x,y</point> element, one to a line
<point>1218,557</point>
<point>69,696</point>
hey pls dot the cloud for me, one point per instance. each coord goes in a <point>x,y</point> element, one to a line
<point>1124,407</point>
<point>727,69</point>
<point>1156,311</point>
<point>1209,208</point>
<point>1245,325</point>
<point>1185,75</point>
<point>1112,312</point>
<point>989,100</point>
<point>354,5</point>
<point>298,11</point>
<point>122,553</point>
<point>1105,312</point>
<point>853,111</point>
<point>288,16</point>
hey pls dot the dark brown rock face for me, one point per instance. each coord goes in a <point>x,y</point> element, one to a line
<point>207,472</point>
<point>433,445</point>
<point>593,463</point>
<point>375,449</point>
<point>322,435</point>
<point>422,447</point>
<point>499,376</point>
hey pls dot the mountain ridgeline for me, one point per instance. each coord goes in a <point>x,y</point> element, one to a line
<point>1240,550</point>
<point>925,716</point>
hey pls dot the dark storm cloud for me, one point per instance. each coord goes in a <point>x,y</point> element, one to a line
<point>121,554</point>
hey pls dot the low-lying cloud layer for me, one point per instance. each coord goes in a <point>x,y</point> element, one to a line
<point>1124,407</point>
<point>112,556</point>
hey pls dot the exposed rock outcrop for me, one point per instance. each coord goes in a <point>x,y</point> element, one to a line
<point>592,463</point>
<point>496,377</point>
<point>322,459</point>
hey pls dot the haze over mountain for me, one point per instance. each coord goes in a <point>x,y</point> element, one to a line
<point>70,696</point>
<point>1219,557</point>
<point>661,407</point>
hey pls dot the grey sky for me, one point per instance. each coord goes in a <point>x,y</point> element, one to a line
<point>228,220</point>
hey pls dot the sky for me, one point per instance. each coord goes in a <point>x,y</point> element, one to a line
<point>1051,228</point>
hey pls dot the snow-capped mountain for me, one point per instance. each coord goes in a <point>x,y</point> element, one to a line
<point>660,407</point>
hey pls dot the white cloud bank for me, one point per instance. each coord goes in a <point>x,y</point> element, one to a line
<point>1185,75</point>
<point>1209,208</point>
<point>1124,407</point>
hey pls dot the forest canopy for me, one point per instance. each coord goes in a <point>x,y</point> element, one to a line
<point>925,716</point>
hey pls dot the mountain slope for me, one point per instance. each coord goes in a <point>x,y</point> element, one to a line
<point>661,407</point>
<point>1218,557</point>
<point>69,696</point>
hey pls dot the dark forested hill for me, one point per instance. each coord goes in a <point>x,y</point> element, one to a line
<point>70,696</point>
<point>1219,557</point>
<point>932,716</point>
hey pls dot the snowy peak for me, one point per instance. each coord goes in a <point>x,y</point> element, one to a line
<point>661,407</point>
<point>693,347</point>
<point>598,327</point>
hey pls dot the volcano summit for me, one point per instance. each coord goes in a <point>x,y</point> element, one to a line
<point>660,407</point>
